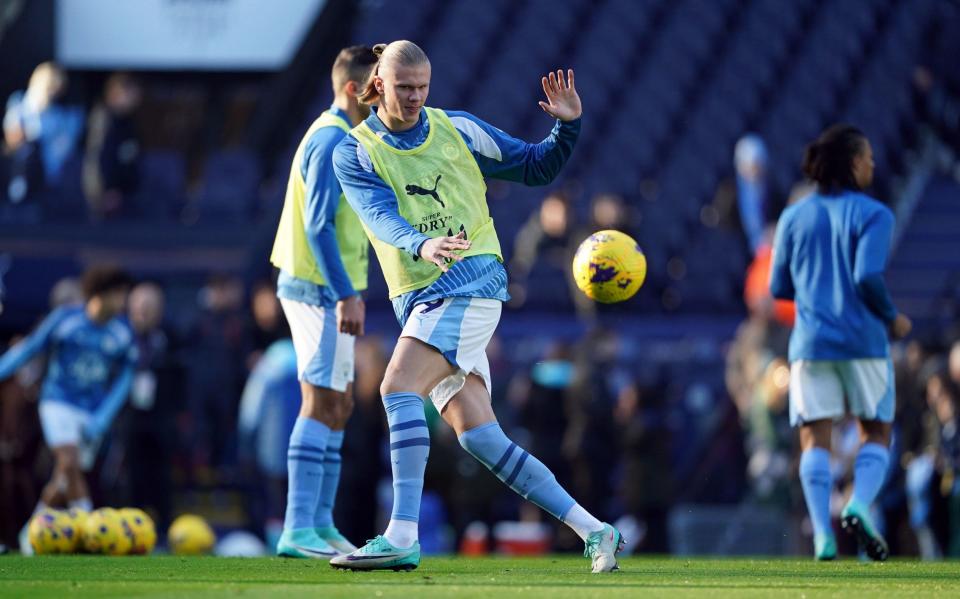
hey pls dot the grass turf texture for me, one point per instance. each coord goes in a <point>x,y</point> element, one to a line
<point>553,577</point>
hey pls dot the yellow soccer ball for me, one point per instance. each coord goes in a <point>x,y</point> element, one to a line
<point>51,531</point>
<point>78,519</point>
<point>143,529</point>
<point>609,267</point>
<point>105,532</point>
<point>190,535</point>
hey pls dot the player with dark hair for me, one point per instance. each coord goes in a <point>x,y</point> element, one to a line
<point>321,252</point>
<point>91,358</point>
<point>415,176</point>
<point>829,256</point>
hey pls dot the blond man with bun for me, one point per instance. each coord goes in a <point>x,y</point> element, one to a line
<point>415,176</point>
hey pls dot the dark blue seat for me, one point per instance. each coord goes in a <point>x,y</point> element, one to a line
<point>230,185</point>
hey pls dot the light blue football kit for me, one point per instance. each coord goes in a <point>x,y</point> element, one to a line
<point>456,314</point>
<point>321,263</point>
<point>829,256</point>
<point>89,373</point>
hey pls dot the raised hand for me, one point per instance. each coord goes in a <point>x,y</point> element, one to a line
<point>563,102</point>
<point>440,249</point>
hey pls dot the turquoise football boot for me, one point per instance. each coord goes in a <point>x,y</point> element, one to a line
<point>856,520</point>
<point>379,554</point>
<point>602,548</point>
<point>304,543</point>
<point>824,548</point>
<point>332,536</point>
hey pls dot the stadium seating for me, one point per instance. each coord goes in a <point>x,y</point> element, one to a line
<point>668,88</point>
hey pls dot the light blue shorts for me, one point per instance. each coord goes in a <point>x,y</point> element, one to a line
<point>459,328</point>
<point>324,355</point>
<point>828,389</point>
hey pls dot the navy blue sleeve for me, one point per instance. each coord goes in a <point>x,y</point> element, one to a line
<point>873,248</point>
<point>781,281</point>
<point>20,353</point>
<point>373,200</point>
<point>501,156</point>
<point>320,208</point>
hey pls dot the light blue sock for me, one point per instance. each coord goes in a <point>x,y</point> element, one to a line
<point>331,480</point>
<point>519,470</point>
<point>308,442</point>
<point>869,473</point>
<point>817,484</point>
<point>409,449</point>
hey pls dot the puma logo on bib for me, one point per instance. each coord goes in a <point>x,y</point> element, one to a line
<point>416,190</point>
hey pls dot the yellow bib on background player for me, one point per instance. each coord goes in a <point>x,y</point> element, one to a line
<point>291,251</point>
<point>440,191</point>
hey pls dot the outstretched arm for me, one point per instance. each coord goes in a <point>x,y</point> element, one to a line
<point>20,353</point>
<point>501,156</point>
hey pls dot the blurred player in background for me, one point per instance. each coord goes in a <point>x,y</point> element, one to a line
<point>321,252</point>
<point>830,252</point>
<point>91,358</point>
<point>415,175</point>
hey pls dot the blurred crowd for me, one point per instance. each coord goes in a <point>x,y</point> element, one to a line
<point>214,400</point>
<point>48,140</point>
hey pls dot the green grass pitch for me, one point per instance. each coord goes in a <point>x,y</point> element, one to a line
<point>557,577</point>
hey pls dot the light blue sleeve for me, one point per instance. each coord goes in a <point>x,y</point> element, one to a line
<point>320,208</point>
<point>111,404</point>
<point>781,282</point>
<point>36,342</point>
<point>873,247</point>
<point>501,156</point>
<point>373,200</point>
<point>117,395</point>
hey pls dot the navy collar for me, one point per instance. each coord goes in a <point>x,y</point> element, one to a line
<point>374,122</point>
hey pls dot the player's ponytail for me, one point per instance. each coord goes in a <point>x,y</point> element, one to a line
<point>828,161</point>
<point>370,95</point>
<point>399,53</point>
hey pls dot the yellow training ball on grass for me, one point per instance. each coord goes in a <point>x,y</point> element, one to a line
<point>51,531</point>
<point>105,532</point>
<point>609,267</point>
<point>143,529</point>
<point>78,519</point>
<point>190,535</point>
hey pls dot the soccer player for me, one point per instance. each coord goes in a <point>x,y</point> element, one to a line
<point>415,176</point>
<point>91,358</point>
<point>830,252</point>
<point>321,252</point>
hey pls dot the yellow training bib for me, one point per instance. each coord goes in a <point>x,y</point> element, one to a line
<point>291,252</point>
<point>440,191</point>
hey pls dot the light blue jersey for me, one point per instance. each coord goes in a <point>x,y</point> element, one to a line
<point>498,155</point>
<point>829,255</point>
<point>90,365</point>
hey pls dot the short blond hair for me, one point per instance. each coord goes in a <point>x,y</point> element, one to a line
<point>399,53</point>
